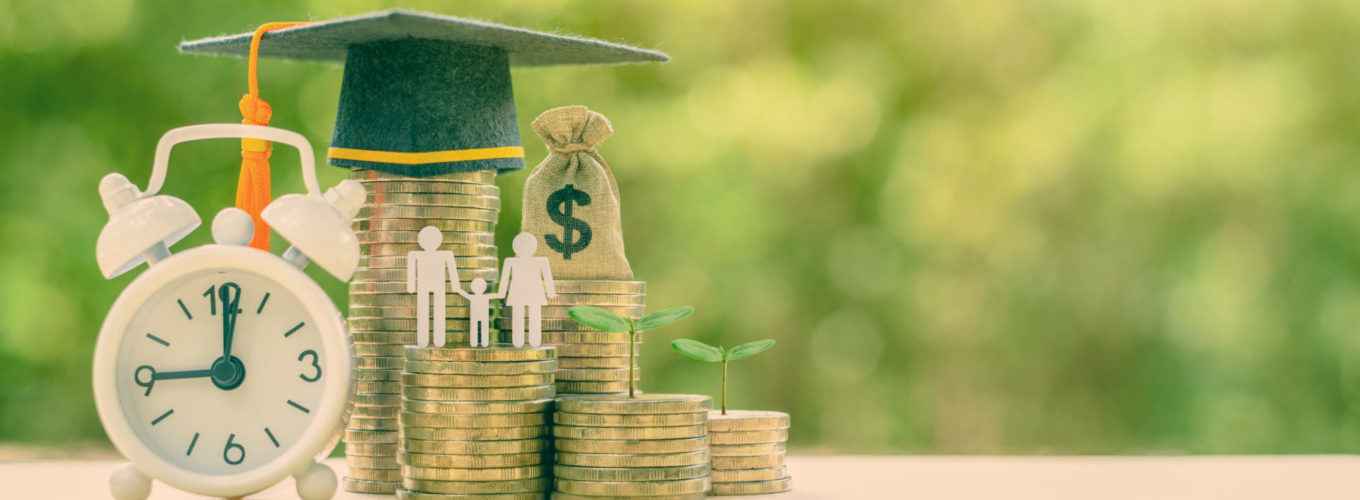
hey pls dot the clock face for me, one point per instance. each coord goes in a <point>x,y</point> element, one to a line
<point>221,371</point>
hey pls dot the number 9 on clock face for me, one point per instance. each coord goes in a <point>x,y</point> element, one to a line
<point>216,371</point>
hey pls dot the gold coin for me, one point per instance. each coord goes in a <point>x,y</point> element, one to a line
<point>585,350</point>
<point>563,299</point>
<point>354,436</point>
<point>403,338</point>
<point>406,300</point>
<point>626,420</point>
<point>417,224</point>
<point>554,325</point>
<point>750,437</point>
<point>748,475</point>
<point>399,275</point>
<point>560,312</point>
<point>405,494</point>
<point>453,237</point>
<point>546,366</point>
<point>478,487</point>
<point>362,462</point>
<point>385,186</point>
<point>371,449</point>
<point>644,403</point>
<point>478,393</point>
<point>595,362</point>
<point>597,374</point>
<point>633,459</point>
<point>403,249</point>
<point>755,462</point>
<point>746,450</point>
<point>408,314</point>
<point>452,200</point>
<point>364,175</point>
<point>497,352</point>
<point>476,420</point>
<point>371,487</point>
<point>399,262</point>
<point>473,461</point>
<point>557,495</point>
<point>617,433</point>
<point>600,287</point>
<point>630,473</point>
<point>632,488</point>
<point>376,387</point>
<point>374,399</point>
<point>419,212</point>
<point>378,363</point>
<point>585,387</point>
<point>381,350</point>
<point>752,488</point>
<point>501,447</point>
<point>375,474</point>
<point>492,474</point>
<point>630,445</point>
<point>374,411</point>
<point>543,405</point>
<point>376,375</point>
<point>385,287</point>
<point>430,380</point>
<point>591,337</point>
<point>747,420</point>
<point>475,433</point>
<point>373,424</point>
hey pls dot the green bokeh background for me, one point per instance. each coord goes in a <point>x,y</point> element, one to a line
<point>973,227</point>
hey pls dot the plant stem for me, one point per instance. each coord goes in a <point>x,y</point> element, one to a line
<point>632,339</point>
<point>724,391</point>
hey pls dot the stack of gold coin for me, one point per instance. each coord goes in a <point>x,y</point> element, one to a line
<point>653,445</point>
<point>748,451</point>
<point>589,361</point>
<point>475,421</point>
<point>382,315</point>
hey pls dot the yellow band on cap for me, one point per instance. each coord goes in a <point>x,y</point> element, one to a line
<point>426,157</point>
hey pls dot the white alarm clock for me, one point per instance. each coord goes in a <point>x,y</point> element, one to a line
<point>224,369</point>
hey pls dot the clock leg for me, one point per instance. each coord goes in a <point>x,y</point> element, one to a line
<point>128,483</point>
<point>316,482</point>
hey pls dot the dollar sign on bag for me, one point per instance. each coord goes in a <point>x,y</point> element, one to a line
<point>559,210</point>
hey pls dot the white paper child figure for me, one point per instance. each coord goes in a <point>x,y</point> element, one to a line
<point>479,305</point>
<point>425,271</point>
<point>526,281</point>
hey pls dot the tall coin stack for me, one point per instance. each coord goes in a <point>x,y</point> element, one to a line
<point>748,452</point>
<point>475,421</point>
<point>464,206</point>
<point>589,361</point>
<point>649,446</point>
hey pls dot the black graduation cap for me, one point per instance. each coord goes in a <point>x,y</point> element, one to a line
<point>425,94</point>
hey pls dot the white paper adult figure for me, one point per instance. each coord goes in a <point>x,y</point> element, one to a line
<point>425,270</point>
<point>479,317</point>
<point>526,281</point>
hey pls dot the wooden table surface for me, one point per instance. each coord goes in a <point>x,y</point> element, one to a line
<point>895,477</point>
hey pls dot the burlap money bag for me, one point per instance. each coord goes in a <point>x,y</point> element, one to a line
<point>571,202</point>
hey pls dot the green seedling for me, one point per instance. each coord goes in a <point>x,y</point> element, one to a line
<point>606,321</point>
<point>704,352</point>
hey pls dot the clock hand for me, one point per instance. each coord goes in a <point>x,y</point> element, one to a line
<point>151,379</point>
<point>230,308</point>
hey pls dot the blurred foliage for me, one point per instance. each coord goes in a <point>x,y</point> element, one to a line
<point>1042,226</point>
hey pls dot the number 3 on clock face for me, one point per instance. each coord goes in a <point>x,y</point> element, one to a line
<point>220,371</point>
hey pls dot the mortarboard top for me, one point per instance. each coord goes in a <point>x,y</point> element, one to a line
<point>425,94</point>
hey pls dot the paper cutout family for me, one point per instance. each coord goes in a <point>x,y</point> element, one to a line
<point>526,284</point>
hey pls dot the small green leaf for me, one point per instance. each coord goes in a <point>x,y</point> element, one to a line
<point>598,319</point>
<point>697,350</point>
<point>662,318</point>
<point>749,349</point>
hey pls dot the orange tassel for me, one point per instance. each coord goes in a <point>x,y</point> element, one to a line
<point>252,189</point>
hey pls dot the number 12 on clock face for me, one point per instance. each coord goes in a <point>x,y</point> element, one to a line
<point>220,370</point>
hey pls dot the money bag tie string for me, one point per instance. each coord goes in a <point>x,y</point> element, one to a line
<point>579,148</point>
<point>252,189</point>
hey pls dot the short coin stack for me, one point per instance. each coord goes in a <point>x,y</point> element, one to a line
<point>475,421</point>
<point>748,452</point>
<point>589,361</point>
<point>382,315</point>
<point>654,445</point>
